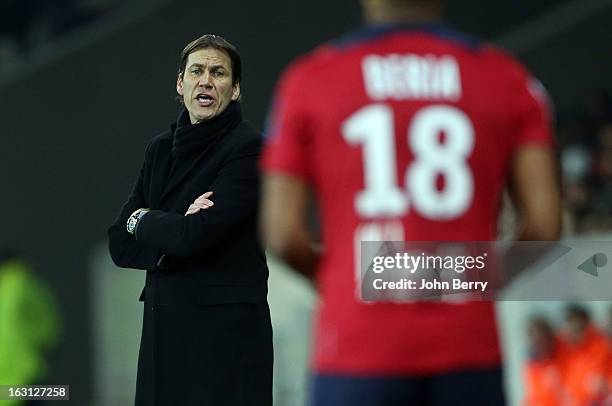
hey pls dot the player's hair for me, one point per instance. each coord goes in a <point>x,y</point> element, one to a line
<point>215,42</point>
<point>540,322</point>
<point>576,311</point>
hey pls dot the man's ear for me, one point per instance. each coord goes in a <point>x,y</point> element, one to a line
<point>236,92</point>
<point>179,84</point>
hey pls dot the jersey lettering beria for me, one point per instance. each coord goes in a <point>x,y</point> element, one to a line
<point>403,133</point>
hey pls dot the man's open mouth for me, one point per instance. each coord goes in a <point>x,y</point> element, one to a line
<point>205,100</point>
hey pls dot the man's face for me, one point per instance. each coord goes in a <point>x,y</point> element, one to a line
<point>575,329</point>
<point>206,84</point>
<point>540,341</point>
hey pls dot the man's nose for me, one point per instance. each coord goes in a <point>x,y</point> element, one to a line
<point>206,80</point>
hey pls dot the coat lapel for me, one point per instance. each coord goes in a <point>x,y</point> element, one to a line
<point>161,170</point>
<point>179,175</point>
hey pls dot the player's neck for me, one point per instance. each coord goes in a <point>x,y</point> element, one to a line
<point>403,16</point>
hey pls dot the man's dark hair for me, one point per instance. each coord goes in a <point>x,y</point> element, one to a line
<point>576,311</point>
<point>215,42</point>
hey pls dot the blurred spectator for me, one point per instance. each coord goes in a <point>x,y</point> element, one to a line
<point>29,325</point>
<point>575,129</point>
<point>25,19</point>
<point>25,24</point>
<point>543,372</point>
<point>584,365</point>
<point>602,193</point>
<point>598,106</point>
<point>571,369</point>
<point>586,159</point>
<point>607,384</point>
<point>592,210</point>
<point>576,163</point>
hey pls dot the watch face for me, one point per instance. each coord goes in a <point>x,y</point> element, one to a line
<point>131,224</point>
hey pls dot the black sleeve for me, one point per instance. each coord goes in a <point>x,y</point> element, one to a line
<point>125,251</point>
<point>236,196</point>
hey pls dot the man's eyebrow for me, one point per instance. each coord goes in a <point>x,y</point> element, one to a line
<point>210,67</point>
<point>218,66</point>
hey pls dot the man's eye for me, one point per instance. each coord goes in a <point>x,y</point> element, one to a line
<point>218,74</point>
<point>196,71</point>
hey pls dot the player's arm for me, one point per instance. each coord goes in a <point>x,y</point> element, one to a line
<point>283,221</point>
<point>288,170</point>
<point>534,189</point>
<point>535,194</point>
<point>534,183</point>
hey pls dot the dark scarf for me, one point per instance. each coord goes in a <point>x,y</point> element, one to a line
<point>190,138</point>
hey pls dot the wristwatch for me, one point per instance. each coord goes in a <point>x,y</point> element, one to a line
<point>133,220</point>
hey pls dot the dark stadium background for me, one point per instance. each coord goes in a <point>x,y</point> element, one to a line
<point>76,111</point>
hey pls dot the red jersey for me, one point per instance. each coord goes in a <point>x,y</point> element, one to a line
<point>404,133</point>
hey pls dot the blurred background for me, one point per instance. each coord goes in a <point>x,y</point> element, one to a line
<point>84,84</point>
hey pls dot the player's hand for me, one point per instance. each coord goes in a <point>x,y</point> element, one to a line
<point>201,203</point>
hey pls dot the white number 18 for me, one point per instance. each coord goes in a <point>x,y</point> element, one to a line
<point>372,126</point>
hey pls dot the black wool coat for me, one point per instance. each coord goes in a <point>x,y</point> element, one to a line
<point>207,336</point>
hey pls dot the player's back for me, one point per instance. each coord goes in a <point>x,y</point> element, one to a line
<point>414,124</point>
<point>406,133</point>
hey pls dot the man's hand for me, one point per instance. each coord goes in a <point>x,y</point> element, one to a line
<point>201,203</point>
